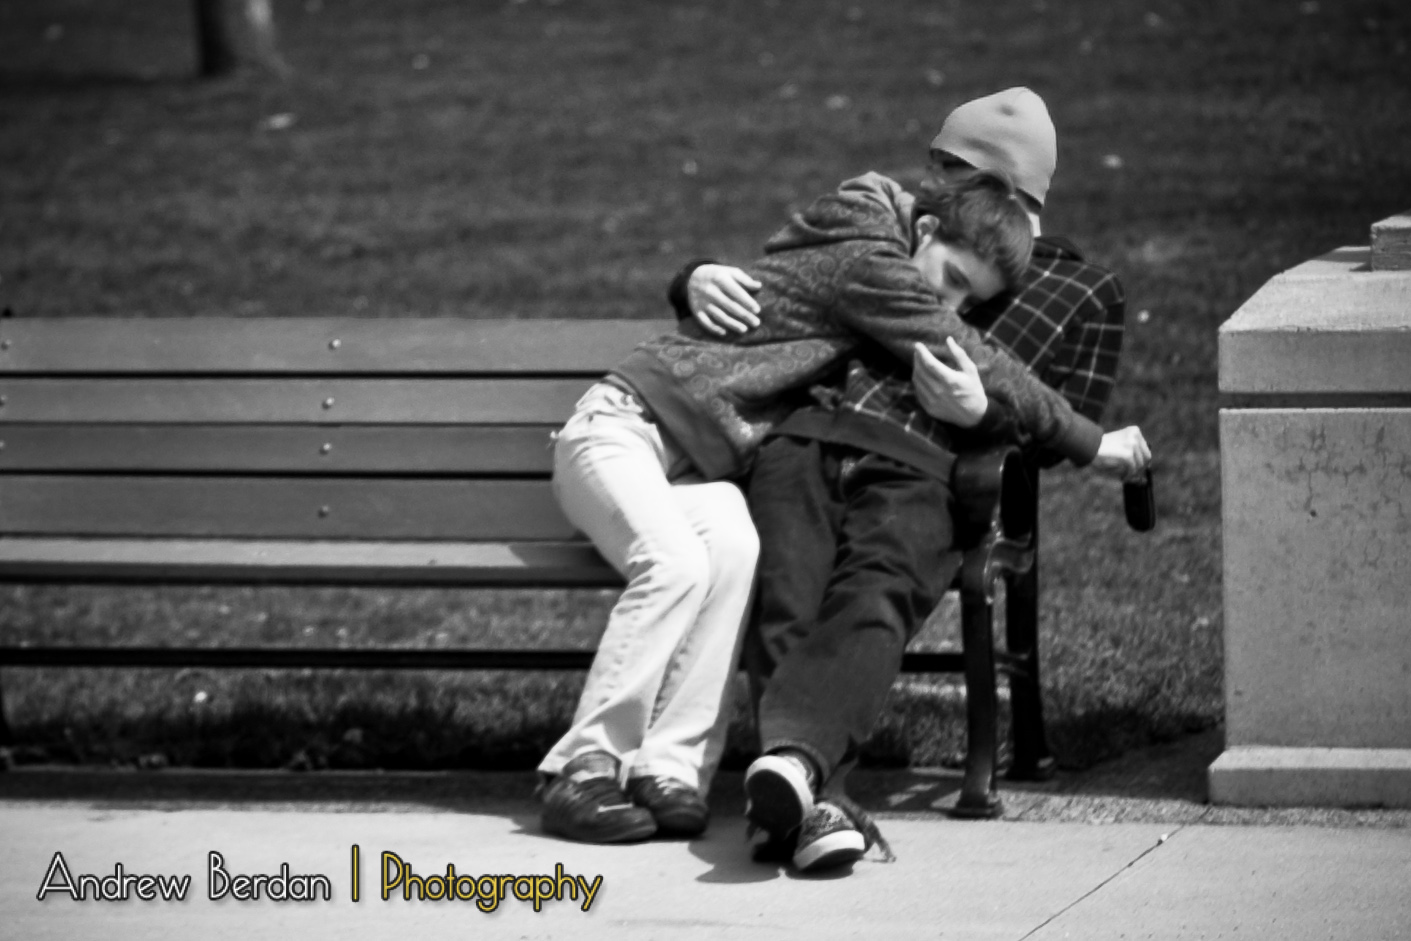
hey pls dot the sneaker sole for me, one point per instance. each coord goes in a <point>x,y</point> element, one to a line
<point>779,797</point>
<point>830,850</point>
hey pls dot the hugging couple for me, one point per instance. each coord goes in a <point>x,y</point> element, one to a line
<point>775,477</point>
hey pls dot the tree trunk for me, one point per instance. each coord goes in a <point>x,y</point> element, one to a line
<point>217,55</point>
<point>219,48</point>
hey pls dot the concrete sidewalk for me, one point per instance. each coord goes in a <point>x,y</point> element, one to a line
<point>1007,879</point>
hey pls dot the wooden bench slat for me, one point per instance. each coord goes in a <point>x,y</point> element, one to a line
<point>322,401</point>
<point>323,345</point>
<point>280,507</point>
<point>284,658</point>
<point>361,658</point>
<point>234,449</point>
<point>305,561</point>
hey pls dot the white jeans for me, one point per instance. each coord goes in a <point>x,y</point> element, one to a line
<point>657,694</point>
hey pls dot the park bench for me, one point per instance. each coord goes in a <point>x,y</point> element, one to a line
<point>408,452</point>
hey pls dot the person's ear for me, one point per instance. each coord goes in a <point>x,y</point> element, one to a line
<point>926,227</point>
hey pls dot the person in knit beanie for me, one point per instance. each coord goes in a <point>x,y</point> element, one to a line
<point>1011,132</point>
<point>853,478</point>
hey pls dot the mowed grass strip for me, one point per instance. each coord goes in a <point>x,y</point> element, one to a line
<point>540,159</point>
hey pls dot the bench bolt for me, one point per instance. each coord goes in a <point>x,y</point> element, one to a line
<point>328,402</point>
<point>334,344</point>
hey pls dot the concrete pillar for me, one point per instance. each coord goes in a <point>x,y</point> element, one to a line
<point>1315,442</point>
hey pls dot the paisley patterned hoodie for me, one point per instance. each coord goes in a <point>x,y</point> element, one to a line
<point>837,275</point>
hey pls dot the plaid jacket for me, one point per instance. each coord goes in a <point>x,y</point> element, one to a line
<point>1065,322</point>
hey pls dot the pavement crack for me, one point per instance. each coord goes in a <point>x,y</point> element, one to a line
<point>1097,888</point>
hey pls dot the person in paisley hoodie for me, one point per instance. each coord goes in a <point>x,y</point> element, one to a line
<point>644,468</point>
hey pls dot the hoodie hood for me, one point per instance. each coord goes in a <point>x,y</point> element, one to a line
<point>870,207</point>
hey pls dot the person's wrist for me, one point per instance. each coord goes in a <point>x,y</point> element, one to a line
<point>676,292</point>
<point>979,408</point>
<point>991,419</point>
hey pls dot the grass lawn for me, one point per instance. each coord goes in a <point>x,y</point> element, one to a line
<point>561,158</point>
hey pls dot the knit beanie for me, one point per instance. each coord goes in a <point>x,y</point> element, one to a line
<point>1009,131</point>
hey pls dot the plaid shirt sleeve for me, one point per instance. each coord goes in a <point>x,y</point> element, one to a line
<point>1085,367</point>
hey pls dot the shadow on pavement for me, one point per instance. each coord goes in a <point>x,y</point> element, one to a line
<point>1163,783</point>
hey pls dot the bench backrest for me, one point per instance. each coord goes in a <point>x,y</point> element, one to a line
<point>306,429</point>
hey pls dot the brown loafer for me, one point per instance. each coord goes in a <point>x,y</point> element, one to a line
<point>677,808</point>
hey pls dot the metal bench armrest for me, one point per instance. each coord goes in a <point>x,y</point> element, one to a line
<point>994,491</point>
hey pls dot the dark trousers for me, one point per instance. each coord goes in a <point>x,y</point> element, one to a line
<point>855,552</point>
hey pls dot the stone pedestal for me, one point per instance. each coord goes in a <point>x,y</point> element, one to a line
<point>1315,443</point>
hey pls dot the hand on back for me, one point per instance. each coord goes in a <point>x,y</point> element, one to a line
<point>720,299</point>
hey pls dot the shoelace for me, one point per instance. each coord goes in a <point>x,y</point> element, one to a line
<point>599,787</point>
<point>649,791</point>
<point>871,835</point>
<point>665,786</point>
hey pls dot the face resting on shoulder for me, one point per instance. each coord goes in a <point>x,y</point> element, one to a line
<point>959,277</point>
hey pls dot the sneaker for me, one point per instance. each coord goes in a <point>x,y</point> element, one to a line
<point>828,839</point>
<point>677,808</point>
<point>585,803</point>
<point>837,833</point>
<point>779,793</point>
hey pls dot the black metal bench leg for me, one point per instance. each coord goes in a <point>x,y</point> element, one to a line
<point>6,738</point>
<point>977,794</point>
<point>1032,760</point>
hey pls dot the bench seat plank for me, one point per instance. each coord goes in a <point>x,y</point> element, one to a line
<point>235,449</point>
<point>389,562</point>
<point>360,658</point>
<point>280,507</point>
<point>324,345</point>
<point>321,401</point>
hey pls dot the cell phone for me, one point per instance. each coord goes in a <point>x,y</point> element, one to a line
<point>1139,502</point>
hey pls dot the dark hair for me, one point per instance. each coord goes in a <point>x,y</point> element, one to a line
<point>985,214</point>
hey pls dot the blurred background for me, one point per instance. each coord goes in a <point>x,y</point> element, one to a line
<point>562,158</point>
